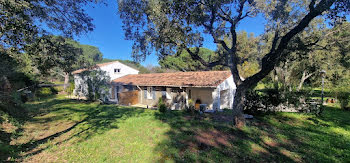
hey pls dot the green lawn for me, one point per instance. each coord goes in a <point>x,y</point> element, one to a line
<point>67,130</point>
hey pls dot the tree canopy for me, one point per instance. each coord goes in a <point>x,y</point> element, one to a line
<point>25,20</point>
<point>25,24</point>
<point>184,62</point>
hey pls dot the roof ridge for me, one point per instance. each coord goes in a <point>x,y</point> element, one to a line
<point>195,78</point>
<point>183,72</point>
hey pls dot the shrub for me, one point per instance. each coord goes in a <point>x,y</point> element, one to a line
<point>342,92</point>
<point>161,105</point>
<point>344,98</point>
<point>11,104</point>
<point>53,90</point>
<point>71,88</point>
<point>190,107</point>
<point>262,101</point>
<point>97,82</point>
<point>272,96</point>
<point>44,92</point>
<point>254,102</point>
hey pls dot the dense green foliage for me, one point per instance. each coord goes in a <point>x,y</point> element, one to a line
<point>46,92</point>
<point>23,21</point>
<point>161,105</point>
<point>96,84</point>
<point>325,49</point>
<point>342,93</point>
<point>26,45</point>
<point>90,55</point>
<point>184,62</point>
<point>59,55</point>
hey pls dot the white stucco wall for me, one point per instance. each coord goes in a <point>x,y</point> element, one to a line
<point>124,70</point>
<point>228,85</point>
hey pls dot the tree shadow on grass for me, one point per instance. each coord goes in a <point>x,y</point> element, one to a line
<point>336,116</point>
<point>283,139</point>
<point>79,120</point>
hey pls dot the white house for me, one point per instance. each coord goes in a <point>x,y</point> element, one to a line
<point>113,69</point>
<point>214,89</point>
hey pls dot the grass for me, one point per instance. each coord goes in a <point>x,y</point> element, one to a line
<point>67,130</point>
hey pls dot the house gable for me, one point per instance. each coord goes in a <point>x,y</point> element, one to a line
<point>114,69</point>
<point>117,70</point>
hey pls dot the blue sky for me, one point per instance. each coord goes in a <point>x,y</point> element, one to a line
<point>108,35</point>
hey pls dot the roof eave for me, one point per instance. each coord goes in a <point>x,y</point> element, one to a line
<point>151,85</point>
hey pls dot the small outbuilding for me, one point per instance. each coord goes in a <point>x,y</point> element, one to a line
<point>214,89</point>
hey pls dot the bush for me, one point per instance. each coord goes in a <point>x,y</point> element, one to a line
<point>272,96</point>
<point>254,102</point>
<point>190,107</point>
<point>161,105</point>
<point>344,98</point>
<point>342,93</point>
<point>270,99</point>
<point>11,104</point>
<point>44,92</point>
<point>97,82</point>
<point>71,88</point>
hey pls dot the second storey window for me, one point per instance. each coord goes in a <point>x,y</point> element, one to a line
<point>117,70</point>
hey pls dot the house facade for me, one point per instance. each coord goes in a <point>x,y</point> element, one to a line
<point>213,89</point>
<point>113,69</point>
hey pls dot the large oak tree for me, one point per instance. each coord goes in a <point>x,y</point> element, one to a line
<point>31,22</point>
<point>170,26</point>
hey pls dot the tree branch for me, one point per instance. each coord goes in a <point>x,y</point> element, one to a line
<point>194,55</point>
<point>309,75</point>
<point>312,5</point>
<point>273,57</point>
<point>210,28</point>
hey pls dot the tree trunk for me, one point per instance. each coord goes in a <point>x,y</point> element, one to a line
<point>5,84</point>
<point>303,78</point>
<point>301,82</point>
<point>66,81</point>
<point>238,106</point>
<point>275,79</point>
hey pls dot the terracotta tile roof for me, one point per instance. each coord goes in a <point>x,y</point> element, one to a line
<point>95,66</point>
<point>184,79</point>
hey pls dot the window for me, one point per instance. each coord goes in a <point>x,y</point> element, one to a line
<point>145,92</point>
<point>151,93</point>
<point>117,90</point>
<point>189,94</point>
<point>168,93</point>
<point>128,88</point>
<point>163,89</point>
<point>117,70</point>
